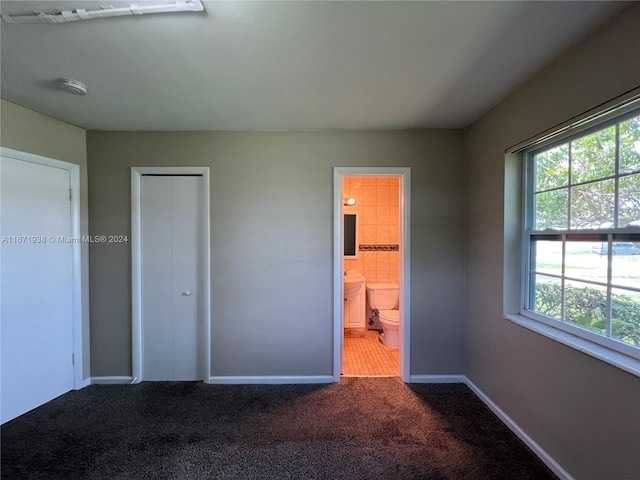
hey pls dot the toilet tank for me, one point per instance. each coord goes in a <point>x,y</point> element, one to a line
<point>383,296</point>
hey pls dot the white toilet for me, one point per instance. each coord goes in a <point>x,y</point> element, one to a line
<point>383,297</point>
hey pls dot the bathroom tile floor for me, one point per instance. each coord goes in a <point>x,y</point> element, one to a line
<point>369,357</point>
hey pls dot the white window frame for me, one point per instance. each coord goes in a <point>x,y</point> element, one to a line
<point>598,123</point>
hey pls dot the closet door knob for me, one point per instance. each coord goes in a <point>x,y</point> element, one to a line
<point>186,293</point>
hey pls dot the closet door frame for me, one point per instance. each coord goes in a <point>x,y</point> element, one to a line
<point>136,265</point>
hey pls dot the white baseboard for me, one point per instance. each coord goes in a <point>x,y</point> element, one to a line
<point>271,379</point>
<point>537,449</point>
<point>111,380</point>
<point>437,379</point>
<point>85,383</point>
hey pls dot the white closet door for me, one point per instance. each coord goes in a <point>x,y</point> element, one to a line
<point>37,288</point>
<point>171,252</point>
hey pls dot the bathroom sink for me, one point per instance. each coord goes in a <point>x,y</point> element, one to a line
<point>353,283</point>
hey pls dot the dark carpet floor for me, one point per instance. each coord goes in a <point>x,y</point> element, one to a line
<point>361,428</point>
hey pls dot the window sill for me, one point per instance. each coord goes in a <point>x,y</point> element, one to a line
<point>605,354</point>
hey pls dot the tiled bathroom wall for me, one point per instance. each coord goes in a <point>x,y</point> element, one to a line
<point>378,209</point>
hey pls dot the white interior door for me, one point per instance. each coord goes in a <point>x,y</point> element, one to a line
<point>36,286</point>
<point>171,271</point>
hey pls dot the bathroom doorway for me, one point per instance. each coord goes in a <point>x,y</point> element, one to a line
<point>378,200</point>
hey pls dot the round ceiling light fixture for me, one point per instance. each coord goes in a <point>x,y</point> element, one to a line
<point>69,85</point>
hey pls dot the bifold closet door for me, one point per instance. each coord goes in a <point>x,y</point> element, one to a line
<point>171,287</point>
<point>37,285</point>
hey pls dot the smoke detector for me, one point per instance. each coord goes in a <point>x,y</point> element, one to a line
<point>76,87</point>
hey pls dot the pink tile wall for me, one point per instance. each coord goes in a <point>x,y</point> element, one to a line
<point>378,209</point>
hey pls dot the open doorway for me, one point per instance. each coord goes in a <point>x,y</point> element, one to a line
<point>371,261</point>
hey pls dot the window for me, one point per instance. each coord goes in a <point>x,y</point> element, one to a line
<point>582,234</point>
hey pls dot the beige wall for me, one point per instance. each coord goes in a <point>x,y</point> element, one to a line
<point>378,209</point>
<point>28,131</point>
<point>271,243</point>
<point>581,411</point>
<point>31,132</point>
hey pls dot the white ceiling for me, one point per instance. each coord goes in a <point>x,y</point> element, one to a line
<point>269,65</point>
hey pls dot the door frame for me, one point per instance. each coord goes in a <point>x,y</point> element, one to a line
<point>136,266</point>
<point>79,348</point>
<point>405,262</point>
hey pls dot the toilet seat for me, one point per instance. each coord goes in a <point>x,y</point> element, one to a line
<point>391,316</point>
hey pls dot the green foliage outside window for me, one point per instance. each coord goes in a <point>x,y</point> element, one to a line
<point>586,307</point>
<point>630,145</point>
<point>590,158</point>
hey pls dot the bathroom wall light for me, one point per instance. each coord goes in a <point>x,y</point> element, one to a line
<point>349,202</point>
